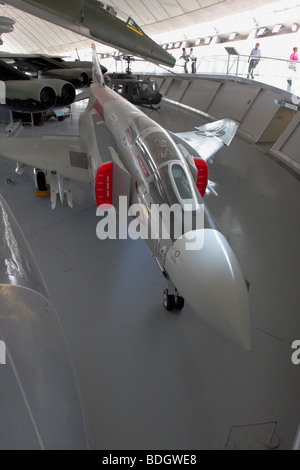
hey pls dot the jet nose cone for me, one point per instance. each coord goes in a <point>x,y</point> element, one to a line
<point>206,272</point>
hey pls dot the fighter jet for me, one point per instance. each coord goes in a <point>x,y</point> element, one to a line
<point>95,20</point>
<point>41,405</point>
<point>6,26</point>
<point>25,94</point>
<point>121,152</point>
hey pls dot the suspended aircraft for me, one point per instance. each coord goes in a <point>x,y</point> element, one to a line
<point>138,91</point>
<point>79,73</point>
<point>122,153</point>
<point>100,22</point>
<point>26,94</point>
<point>41,405</point>
<point>6,26</point>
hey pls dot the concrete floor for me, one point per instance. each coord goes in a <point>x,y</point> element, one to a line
<point>151,379</point>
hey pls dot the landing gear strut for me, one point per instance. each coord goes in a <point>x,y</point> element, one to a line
<point>172,299</point>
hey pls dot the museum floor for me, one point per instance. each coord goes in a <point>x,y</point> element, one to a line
<point>151,379</point>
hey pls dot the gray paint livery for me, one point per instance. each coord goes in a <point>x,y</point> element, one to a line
<point>151,168</point>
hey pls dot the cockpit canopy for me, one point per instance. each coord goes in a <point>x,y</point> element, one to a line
<point>179,186</point>
<point>155,144</point>
<point>165,163</point>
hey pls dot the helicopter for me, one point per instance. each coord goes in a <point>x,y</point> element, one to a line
<point>139,91</point>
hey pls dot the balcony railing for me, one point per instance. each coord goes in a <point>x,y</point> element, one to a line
<point>272,71</point>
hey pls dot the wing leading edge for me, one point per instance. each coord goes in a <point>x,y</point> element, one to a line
<point>63,155</point>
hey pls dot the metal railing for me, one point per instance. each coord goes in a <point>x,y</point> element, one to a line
<point>269,70</point>
<point>238,65</point>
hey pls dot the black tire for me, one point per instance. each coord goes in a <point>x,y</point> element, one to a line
<point>169,300</point>
<point>41,181</point>
<point>179,302</point>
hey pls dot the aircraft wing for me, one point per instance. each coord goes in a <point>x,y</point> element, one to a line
<point>208,139</point>
<point>39,62</point>
<point>32,62</point>
<point>61,154</point>
<point>26,61</point>
<point>84,95</point>
<point>7,72</point>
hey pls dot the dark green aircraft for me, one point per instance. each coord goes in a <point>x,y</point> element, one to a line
<point>143,92</point>
<point>79,73</point>
<point>95,20</point>
<point>25,94</point>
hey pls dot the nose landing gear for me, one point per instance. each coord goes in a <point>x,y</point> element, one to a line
<point>172,299</point>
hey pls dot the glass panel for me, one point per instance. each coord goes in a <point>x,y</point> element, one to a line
<point>168,186</point>
<point>156,191</point>
<point>157,147</point>
<point>135,91</point>
<point>145,155</point>
<point>181,182</point>
<point>161,148</point>
<point>132,24</point>
<point>118,88</point>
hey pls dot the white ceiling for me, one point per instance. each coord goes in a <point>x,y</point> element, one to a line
<point>157,16</point>
<point>32,35</point>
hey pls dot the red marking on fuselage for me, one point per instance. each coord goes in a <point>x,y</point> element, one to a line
<point>104,184</point>
<point>98,77</point>
<point>143,166</point>
<point>102,95</point>
<point>99,108</point>
<point>202,178</point>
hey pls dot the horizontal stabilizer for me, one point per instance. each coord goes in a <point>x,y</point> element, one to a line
<point>208,139</point>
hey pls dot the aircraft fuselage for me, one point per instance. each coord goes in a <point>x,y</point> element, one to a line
<point>90,19</point>
<point>159,172</point>
<point>115,132</point>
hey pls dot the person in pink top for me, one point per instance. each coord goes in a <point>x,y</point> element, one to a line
<point>292,65</point>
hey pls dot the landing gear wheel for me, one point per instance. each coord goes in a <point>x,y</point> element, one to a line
<point>179,302</point>
<point>169,300</point>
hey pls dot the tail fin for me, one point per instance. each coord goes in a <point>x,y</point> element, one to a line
<point>97,72</point>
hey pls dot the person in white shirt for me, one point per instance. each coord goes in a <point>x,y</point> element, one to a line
<point>193,59</point>
<point>185,56</point>
<point>253,60</point>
